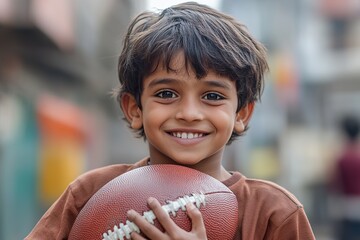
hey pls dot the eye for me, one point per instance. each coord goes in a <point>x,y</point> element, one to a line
<point>165,94</point>
<point>213,96</point>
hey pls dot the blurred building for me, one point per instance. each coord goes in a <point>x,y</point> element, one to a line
<point>57,70</point>
<point>314,80</point>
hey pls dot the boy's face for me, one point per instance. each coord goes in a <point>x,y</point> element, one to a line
<point>187,121</point>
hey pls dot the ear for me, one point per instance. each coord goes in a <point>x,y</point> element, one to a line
<point>243,117</point>
<point>131,110</point>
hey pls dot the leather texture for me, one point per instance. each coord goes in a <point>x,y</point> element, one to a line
<point>108,207</point>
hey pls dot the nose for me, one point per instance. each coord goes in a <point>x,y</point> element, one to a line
<point>189,110</point>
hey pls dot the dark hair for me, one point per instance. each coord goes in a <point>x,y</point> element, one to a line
<point>350,127</point>
<point>209,39</point>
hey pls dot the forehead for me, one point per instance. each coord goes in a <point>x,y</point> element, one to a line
<point>176,67</point>
<point>179,71</point>
<point>177,63</point>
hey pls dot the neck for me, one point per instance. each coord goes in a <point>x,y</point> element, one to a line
<point>209,166</point>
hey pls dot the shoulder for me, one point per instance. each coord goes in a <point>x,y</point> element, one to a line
<point>248,187</point>
<point>90,182</point>
<point>273,191</point>
<point>58,220</point>
<point>273,202</point>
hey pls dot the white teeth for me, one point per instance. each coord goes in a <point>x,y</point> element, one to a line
<point>185,135</point>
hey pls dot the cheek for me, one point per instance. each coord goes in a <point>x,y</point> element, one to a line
<point>153,116</point>
<point>224,120</point>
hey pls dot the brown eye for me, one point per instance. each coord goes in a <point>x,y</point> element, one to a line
<point>213,96</point>
<point>166,94</point>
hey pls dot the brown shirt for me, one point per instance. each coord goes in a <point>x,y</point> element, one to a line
<point>266,211</point>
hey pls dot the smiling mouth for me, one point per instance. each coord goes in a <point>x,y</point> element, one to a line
<point>186,135</point>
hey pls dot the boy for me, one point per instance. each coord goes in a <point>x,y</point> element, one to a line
<point>189,77</point>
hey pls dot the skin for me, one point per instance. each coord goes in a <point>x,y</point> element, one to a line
<point>187,121</point>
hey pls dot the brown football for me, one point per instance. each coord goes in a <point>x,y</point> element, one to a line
<point>104,215</point>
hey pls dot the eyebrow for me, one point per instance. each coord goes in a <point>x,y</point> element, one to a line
<point>162,81</point>
<point>211,83</point>
<point>215,83</point>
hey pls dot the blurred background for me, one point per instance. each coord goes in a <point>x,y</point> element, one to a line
<point>58,64</point>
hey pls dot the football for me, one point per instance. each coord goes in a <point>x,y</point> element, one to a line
<point>104,215</point>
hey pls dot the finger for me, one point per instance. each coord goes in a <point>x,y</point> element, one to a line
<point>162,216</point>
<point>136,236</point>
<point>196,217</point>
<point>145,227</point>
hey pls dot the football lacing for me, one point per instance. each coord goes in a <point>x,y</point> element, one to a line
<point>123,231</point>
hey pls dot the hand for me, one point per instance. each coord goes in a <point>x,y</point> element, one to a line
<point>172,231</point>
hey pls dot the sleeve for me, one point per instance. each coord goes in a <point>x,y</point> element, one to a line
<point>295,227</point>
<point>57,221</point>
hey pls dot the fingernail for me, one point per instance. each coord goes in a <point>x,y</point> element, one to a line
<point>190,206</point>
<point>150,200</point>
<point>131,213</point>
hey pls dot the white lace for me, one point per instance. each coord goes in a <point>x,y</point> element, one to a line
<point>123,231</point>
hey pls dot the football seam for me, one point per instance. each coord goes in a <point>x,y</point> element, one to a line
<point>218,192</point>
<point>122,231</point>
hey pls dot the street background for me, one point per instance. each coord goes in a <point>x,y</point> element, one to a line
<point>58,118</point>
